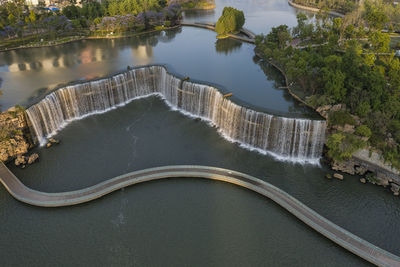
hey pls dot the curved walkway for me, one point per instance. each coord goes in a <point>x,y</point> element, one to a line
<point>320,224</point>
<point>314,9</point>
<point>211,26</point>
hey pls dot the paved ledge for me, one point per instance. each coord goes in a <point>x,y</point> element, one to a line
<point>211,26</point>
<point>320,224</point>
<point>314,9</point>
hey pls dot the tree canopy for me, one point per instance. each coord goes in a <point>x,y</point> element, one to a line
<point>231,21</point>
<point>335,63</point>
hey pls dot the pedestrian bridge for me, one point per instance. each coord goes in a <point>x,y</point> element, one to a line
<point>320,224</point>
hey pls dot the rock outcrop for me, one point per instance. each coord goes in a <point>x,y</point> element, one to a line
<point>338,176</point>
<point>325,110</point>
<point>32,158</point>
<point>372,165</point>
<point>14,135</point>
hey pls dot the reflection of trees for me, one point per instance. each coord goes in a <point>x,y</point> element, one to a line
<point>273,74</point>
<point>71,54</point>
<point>227,45</point>
<point>198,14</point>
<point>169,35</point>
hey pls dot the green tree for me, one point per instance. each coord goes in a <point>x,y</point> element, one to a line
<point>231,21</point>
<point>363,130</point>
<point>279,36</point>
<point>379,41</point>
<point>71,12</point>
<point>32,17</point>
<point>374,15</point>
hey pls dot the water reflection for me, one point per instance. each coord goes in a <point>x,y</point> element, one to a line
<point>227,46</point>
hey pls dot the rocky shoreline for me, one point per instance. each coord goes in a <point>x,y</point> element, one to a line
<point>15,138</point>
<point>364,162</point>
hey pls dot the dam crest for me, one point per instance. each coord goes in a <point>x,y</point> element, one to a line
<point>291,139</point>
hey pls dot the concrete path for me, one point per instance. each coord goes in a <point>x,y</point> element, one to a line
<point>320,224</point>
<point>211,26</point>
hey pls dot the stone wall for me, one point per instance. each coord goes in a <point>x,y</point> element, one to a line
<point>371,164</point>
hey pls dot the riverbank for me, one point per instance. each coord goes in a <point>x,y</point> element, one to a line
<point>80,38</point>
<point>288,87</point>
<point>205,6</point>
<point>364,162</point>
<point>15,137</point>
<point>314,9</point>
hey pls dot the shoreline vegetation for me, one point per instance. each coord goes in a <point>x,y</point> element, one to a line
<point>70,39</point>
<point>199,5</point>
<point>347,73</point>
<point>354,10</point>
<point>21,27</point>
<point>314,9</point>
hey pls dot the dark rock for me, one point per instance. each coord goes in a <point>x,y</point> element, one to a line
<point>395,188</point>
<point>54,141</point>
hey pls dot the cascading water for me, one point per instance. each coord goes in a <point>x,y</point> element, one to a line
<point>286,138</point>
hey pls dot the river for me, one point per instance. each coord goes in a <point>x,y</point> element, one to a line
<point>176,222</point>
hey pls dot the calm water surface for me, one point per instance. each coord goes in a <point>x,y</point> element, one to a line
<point>29,74</point>
<point>175,222</point>
<point>183,222</point>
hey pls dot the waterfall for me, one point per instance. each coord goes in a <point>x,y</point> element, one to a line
<point>286,138</point>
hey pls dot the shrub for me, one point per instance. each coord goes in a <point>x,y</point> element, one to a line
<point>371,177</point>
<point>341,117</point>
<point>395,130</point>
<point>363,130</point>
<point>342,146</point>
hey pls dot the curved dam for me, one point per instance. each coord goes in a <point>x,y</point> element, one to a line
<point>285,138</point>
<point>320,224</point>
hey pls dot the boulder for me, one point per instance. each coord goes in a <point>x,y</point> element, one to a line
<point>363,180</point>
<point>346,166</point>
<point>338,107</point>
<point>360,170</point>
<point>382,180</point>
<point>324,110</point>
<point>395,188</point>
<point>32,158</point>
<point>54,141</point>
<point>49,145</point>
<point>328,176</point>
<point>20,160</point>
<point>338,176</point>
